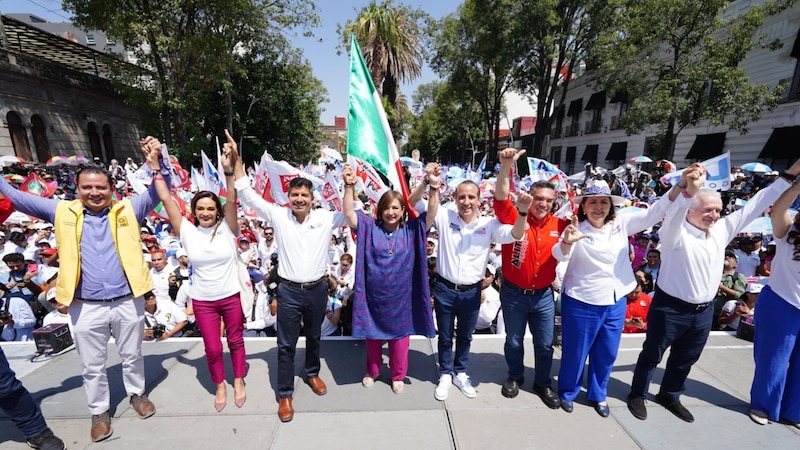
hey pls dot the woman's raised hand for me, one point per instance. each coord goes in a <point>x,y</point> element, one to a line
<point>571,233</point>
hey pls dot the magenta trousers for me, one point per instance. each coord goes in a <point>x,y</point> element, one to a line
<point>208,315</point>
<point>398,357</point>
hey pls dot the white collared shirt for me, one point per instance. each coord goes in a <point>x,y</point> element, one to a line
<point>599,270</point>
<point>691,261</point>
<point>784,276</point>
<point>302,247</point>
<point>463,249</point>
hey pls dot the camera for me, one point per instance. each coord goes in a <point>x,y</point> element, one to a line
<point>4,315</point>
<point>159,330</point>
<point>272,291</point>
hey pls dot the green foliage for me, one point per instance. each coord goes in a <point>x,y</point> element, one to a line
<point>679,61</point>
<point>195,50</point>
<point>447,126</point>
<point>390,38</point>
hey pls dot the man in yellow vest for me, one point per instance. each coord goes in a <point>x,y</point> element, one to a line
<point>102,278</point>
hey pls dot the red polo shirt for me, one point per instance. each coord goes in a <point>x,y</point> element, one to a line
<point>639,307</point>
<point>529,263</point>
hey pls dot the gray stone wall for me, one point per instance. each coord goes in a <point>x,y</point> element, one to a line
<point>68,102</point>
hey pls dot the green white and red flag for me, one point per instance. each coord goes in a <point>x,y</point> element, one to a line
<point>368,134</point>
<point>34,184</point>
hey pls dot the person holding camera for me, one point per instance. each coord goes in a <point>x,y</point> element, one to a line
<point>162,319</point>
<point>215,288</point>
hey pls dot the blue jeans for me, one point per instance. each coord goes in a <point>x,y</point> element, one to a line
<point>451,305</point>
<point>680,326</point>
<point>537,311</point>
<point>17,402</point>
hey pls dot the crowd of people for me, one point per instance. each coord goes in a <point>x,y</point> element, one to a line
<point>445,263</point>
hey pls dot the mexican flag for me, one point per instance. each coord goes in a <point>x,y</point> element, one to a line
<point>368,133</point>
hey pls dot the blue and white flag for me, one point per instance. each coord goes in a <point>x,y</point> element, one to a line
<point>478,175</point>
<point>718,171</point>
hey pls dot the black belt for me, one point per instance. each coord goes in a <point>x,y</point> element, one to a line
<point>680,304</point>
<point>302,286</point>
<point>459,287</point>
<point>520,290</point>
<point>104,300</point>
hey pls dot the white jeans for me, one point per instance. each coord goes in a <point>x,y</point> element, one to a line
<point>93,324</point>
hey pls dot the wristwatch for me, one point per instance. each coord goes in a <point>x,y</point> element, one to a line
<point>787,176</point>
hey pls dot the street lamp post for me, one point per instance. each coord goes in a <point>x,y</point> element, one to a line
<point>244,126</point>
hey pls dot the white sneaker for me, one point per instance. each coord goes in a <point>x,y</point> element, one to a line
<point>443,387</point>
<point>462,382</point>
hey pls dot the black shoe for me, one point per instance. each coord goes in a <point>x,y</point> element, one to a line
<point>601,409</point>
<point>548,396</point>
<point>566,405</point>
<point>637,407</point>
<point>511,387</point>
<point>46,440</point>
<point>675,407</point>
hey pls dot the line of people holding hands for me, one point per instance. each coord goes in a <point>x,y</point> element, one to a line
<point>105,286</point>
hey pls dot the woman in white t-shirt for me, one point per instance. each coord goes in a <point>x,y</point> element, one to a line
<point>214,288</point>
<point>775,393</point>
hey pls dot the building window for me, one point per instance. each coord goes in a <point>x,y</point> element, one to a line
<point>40,141</point>
<point>555,155</point>
<point>108,143</point>
<point>90,39</point>
<point>94,141</point>
<point>19,136</point>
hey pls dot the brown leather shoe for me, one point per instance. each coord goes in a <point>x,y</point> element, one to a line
<point>101,427</point>
<point>143,407</point>
<point>317,385</point>
<point>285,410</point>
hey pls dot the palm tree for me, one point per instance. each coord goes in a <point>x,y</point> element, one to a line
<point>389,37</point>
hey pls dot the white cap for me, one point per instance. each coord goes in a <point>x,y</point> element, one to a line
<point>46,273</point>
<point>754,288</point>
<point>51,294</point>
<point>42,225</point>
<point>491,269</point>
<point>180,252</point>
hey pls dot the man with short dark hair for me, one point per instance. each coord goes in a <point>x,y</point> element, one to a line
<point>303,237</point>
<point>103,279</point>
<point>653,264</point>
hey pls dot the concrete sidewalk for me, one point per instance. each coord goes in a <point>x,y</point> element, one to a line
<point>352,417</point>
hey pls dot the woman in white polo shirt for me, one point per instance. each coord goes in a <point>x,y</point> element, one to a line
<point>593,294</point>
<point>215,287</point>
<point>775,393</point>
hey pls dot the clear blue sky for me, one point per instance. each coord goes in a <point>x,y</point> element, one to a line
<point>320,50</point>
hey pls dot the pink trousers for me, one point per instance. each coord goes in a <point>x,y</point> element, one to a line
<point>208,315</point>
<point>398,357</point>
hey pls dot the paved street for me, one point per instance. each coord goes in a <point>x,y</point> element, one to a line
<point>352,417</point>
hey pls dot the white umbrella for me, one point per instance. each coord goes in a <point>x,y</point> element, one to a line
<point>10,160</point>
<point>18,217</point>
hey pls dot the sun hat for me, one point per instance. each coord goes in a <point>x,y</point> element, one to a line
<point>598,188</point>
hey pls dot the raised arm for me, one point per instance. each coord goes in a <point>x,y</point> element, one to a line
<point>781,219</point>
<point>523,203</point>
<point>230,154</point>
<point>349,200</point>
<point>151,148</point>
<point>508,157</point>
<point>434,173</point>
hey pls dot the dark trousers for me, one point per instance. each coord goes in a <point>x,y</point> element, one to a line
<point>296,306</point>
<point>673,323</point>
<point>17,402</point>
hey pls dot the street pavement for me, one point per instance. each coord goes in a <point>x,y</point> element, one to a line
<point>353,417</point>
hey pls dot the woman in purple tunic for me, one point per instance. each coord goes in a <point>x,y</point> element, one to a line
<point>392,296</point>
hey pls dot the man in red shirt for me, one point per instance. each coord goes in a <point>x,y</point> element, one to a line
<point>637,308</point>
<point>529,270</point>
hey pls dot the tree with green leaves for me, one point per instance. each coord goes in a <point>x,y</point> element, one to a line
<point>446,126</point>
<point>678,63</point>
<point>480,52</point>
<point>556,35</point>
<point>192,47</point>
<point>391,41</point>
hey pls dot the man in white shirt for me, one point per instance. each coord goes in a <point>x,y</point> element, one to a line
<point>160,274</point>
<point>490,303</point>
<point>162,319</point>
<point>680,317</point>
<point>747,256</point>
<point>465,240</point>
<point>303,236</point>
